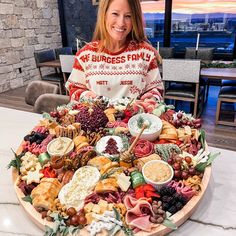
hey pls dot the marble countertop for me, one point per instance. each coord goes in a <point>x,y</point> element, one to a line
<point>215,215</point>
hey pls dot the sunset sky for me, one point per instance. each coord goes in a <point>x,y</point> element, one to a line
<point>192,6</point>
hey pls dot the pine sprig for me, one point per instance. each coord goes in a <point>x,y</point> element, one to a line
<point>16,163</point>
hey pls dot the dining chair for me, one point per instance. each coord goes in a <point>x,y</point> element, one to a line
<point>227,94</point>
<point>43,96</point>
<point>166,52</point>
<point>63,51</point>
<point>67,62</point>
<point>184,76</point>
<point>204,54</point>
<point>45,56</point>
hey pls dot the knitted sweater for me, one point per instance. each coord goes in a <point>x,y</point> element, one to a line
<point>131,72</point>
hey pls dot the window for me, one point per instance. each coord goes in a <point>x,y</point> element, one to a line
<point>154,13</point>
<point>215,20</point>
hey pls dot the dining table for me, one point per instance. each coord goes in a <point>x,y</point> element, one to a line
<point>215,214</point>
<point>219,73</point>
<point>54,63</point>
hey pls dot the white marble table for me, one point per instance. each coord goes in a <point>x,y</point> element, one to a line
<point>215,215</point>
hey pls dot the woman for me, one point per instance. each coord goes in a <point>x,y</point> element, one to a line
<point>118,62</point>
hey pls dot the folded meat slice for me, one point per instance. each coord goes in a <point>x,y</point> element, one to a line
<point>138,213</point>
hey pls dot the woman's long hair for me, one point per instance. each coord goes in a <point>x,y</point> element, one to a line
<point>137,32</point>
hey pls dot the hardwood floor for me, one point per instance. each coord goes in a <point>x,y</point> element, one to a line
<point>217,136</point>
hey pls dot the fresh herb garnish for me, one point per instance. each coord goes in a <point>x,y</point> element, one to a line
<point>168,222</point>
<point>202,137</point>
<point>127,231</point>
<point>60,227</point>
<point>140,122</point>
<point>27,199</point>
<point>16,163</point>
<point>202,165</point>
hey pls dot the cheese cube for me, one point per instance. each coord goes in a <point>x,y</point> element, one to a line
<point>88,207</point>
<point>102,203</point>
<point>96,209</point>
<point>89,217</point>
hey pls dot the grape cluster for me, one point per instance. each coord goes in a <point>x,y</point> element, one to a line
<point>182,166</point>
<point>91,118</point>
<point>182,120</point>
<point>171,200</point>
<point>35,137</point>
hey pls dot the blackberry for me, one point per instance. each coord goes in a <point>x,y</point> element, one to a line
<point>165,206</point>
<point>167,190</point>
<point>178,206</point>
<point>180,198</point>
<point>172,210</point>
<point>168,199</point>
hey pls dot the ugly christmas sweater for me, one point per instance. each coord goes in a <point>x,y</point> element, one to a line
<point>131,72</point>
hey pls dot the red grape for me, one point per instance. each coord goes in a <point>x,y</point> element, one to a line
<point>177,173</point>
<point>176,166</point>
<point>184,174</point>
<point>179,115</point>
<point>71,211</point>
<point>191,171</point>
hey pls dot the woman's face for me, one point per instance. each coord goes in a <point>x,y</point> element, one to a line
<point>118,20</point>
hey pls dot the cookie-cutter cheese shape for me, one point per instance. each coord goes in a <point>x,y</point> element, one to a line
<point>83,182</point>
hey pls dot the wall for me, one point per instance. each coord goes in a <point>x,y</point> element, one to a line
<point>25,26</point>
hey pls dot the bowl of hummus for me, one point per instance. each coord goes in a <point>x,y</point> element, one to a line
<point>60,146</point>
<point>157,173</point>
<point>153,126</point>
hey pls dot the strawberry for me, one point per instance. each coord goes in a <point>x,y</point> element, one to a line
<point>149,187</point>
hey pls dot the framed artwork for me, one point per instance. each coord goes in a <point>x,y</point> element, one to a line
<point>95,2</point>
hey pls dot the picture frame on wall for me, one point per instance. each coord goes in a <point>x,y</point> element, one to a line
<point>95,2</point>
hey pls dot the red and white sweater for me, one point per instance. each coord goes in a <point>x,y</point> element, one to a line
<point>131,72</point>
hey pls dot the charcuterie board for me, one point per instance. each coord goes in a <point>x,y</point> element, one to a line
<point>113,151</point>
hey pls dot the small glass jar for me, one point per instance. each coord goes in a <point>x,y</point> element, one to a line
<point>137,179</point>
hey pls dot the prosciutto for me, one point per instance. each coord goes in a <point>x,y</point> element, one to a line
<point>181,188</point>
<point>138,213</point>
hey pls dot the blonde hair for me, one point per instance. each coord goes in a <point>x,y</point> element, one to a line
<point>137,32</point>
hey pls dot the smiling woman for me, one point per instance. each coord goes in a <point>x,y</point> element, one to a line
<point>119,62</point>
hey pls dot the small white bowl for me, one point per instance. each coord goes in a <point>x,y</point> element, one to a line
<point>155,166</point>
<point>60,146</point>
<point>151,133</point>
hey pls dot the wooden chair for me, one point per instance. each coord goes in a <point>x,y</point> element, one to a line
<point>227,94</point>
<point>63,51</point>
<point>67,62</point>
<point>204,54</point>
<point>45,56</point>
<point>166,52</point>
<point>43,96</point>
<point>185,73</point>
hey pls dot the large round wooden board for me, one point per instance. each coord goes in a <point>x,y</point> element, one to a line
<point>178,218</point>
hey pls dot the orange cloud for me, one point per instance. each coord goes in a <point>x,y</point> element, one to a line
<point>193,6</point>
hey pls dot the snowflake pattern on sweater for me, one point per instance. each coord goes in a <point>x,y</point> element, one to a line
<point>131,72</point>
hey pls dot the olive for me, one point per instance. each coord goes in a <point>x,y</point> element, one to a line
<point>71,211</point>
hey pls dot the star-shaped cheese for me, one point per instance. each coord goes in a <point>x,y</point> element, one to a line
<point>32,177</point>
